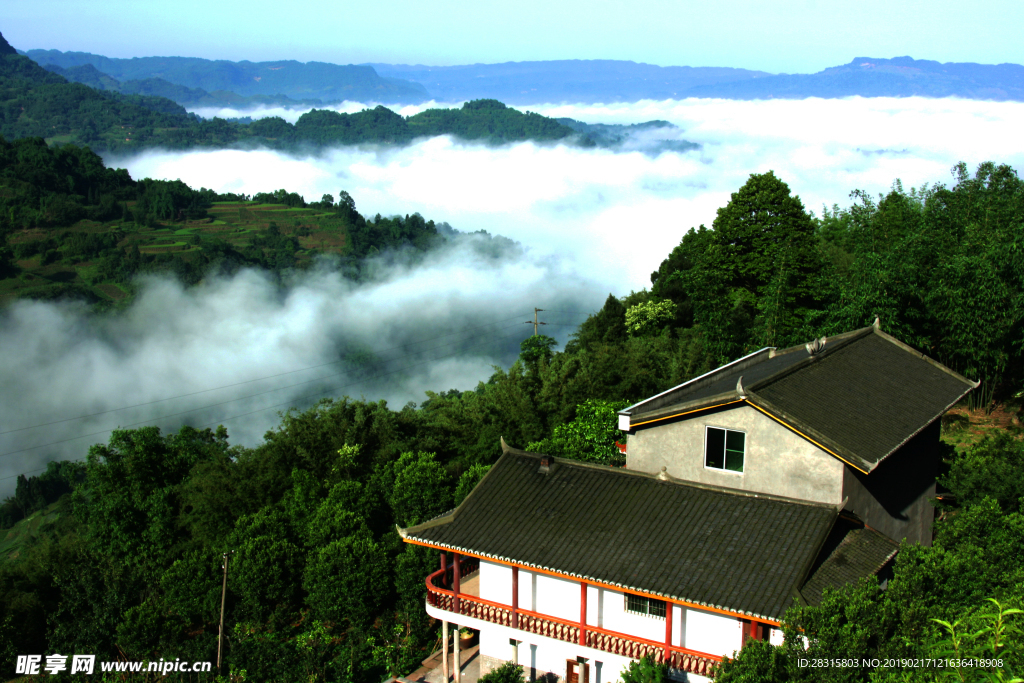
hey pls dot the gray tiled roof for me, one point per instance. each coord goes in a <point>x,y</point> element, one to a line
<point>851,552</point>
<point>735,551</point>
<point>753,368</point>
<point>862,396</point>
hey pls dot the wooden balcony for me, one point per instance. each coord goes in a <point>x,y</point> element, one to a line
<point>468,603</point>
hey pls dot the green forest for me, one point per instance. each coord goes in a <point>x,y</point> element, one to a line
<point>35,102</point>
<point>119,554</point>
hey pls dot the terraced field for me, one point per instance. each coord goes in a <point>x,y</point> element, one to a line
<point>12,540</point>
<point>53,267</point>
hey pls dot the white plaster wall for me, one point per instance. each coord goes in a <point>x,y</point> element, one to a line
<point>777,460</point>
<point>691,628</point>
<point>545,654</point>
<point>715,634</point>
<point>678,625</point>
<point>775,636</point>
<point>616,618</point>
<point>496,582</point>
<point>553,596</point>
<point>538,592</point>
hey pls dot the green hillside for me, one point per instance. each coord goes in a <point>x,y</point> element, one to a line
<point>69,226</point>
<point>37,103</point>
<point>14,539</point>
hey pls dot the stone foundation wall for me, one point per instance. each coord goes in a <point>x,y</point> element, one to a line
<point>489,664</point>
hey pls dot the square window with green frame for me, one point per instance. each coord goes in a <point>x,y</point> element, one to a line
<point>724,449</point>
<point>638,604</point>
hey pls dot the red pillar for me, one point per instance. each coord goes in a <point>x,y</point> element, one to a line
<point>751,630</point>
<point>456,571</point>
<point>444,567</point>
<point>583,613</point>
<point>668,631</point>
<point>515,597</point>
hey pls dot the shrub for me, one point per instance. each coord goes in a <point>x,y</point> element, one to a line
<point>509,672</point>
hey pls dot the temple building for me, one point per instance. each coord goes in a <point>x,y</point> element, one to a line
<point>749,489</point>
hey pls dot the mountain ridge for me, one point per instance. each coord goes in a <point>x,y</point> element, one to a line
<point>536,82</point>
<point>883,77</point>
<point>524,83</point>
<point>293,79</point>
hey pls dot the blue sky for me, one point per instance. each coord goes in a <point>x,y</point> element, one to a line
<point>798,36</point>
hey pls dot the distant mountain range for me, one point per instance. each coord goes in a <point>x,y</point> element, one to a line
<point>89,75</point>
<point>524,83</point>
<point>871,77</point>
<point>575,80</point>
<point>194,82</point>
<point>291,79</point>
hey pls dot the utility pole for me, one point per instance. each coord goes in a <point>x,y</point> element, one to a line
<point>223,592</point>
<point>534,321</point>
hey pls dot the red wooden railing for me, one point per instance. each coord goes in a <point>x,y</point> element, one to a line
<point>441,597</point>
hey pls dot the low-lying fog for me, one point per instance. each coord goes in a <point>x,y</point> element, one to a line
<point>620,213</point>
<point>590,222</point>
<point>441,324</point>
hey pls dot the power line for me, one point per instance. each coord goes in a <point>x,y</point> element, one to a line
<point>250,381</point>
<point>535,323</point>
<point>587,313</point>
<point>41,469</point>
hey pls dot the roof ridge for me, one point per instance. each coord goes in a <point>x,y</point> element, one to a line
<point>706,376</point>
<point>698,404</point>
<point>664,477</point>
<point>839,341</point>
<point>842,336</point>
<point>846,340</point>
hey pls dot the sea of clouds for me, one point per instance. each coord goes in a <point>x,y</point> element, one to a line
<point>589,221</point>
<point>619,213</point>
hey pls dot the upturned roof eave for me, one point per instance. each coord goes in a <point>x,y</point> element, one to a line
<point>680,409</point>
<point>630,409</point>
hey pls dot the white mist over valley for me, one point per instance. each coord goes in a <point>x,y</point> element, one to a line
<point>620,213</point>
<point>588,222</point>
